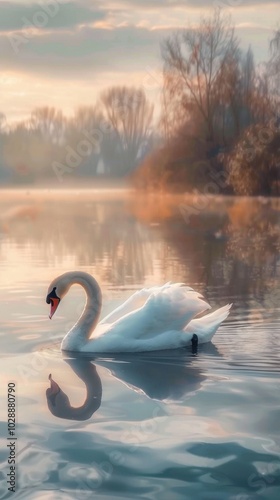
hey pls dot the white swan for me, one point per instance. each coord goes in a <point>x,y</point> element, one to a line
<point>152,319</point>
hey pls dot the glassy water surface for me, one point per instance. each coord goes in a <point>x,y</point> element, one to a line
<point>168,425</point>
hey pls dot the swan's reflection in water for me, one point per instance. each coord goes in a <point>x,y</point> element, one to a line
<point>166,375</point>
<point>58,402</point>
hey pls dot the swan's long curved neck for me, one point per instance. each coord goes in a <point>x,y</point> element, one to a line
<point>88,374</point>
<point>81,331</point>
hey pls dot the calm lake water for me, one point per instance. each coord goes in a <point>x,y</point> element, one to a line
<point>169,425</point>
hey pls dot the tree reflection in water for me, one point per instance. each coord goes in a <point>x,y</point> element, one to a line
<point>228,247</point>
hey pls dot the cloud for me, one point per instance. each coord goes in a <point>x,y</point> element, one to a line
<point>47,14</point>
<point>24,92</point>
<point>89,45</point>
<point>92,50</point>
<point>185,4</point>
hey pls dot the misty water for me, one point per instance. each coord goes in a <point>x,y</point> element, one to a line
<point>168,425</point>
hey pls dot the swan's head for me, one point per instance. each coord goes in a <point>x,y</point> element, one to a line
<point>58,401</point>
<point>56,291</point>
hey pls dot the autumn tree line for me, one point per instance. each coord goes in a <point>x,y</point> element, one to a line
<point>220,114</point>
<point>219,121</point>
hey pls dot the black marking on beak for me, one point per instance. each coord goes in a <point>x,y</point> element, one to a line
<point>52,295</point>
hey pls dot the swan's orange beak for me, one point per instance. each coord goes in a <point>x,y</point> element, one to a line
<point>54,388</point>
<point>52,391</point>
<point>54,306</point>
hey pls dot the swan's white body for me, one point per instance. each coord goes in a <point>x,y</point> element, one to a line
<point>152,319</point>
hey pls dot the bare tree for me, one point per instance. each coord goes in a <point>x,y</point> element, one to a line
<point>229,99</point>
<point>195,59</point>
<point>87,118</point>
<point>173,114</point>
<point>130,115</point>
<point>3,122</point>
<point>248,76</point>
<point>50,122</point>
<point>25,152</point>
<point>275,48</point>
<point>274,70</point>
<point>84,129</point>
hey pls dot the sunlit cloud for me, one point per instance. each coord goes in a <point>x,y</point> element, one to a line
<point>24,93</point>
<point>88,46</point>
<point>46,15</point>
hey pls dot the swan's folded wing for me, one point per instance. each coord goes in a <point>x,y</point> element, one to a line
<point>165,310</point>
<point>173,308</point>
<point>136,301</point>
<point>207,326</point>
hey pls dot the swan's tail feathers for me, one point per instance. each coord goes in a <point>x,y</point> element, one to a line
<point>206,327</point>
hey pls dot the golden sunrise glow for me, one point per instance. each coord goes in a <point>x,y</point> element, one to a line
<point>33,77</point>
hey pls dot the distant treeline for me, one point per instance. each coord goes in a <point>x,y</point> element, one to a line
<point>219,128</point>
<point>109,138</point>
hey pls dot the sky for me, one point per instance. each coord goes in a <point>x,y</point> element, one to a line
<point>64,53</point>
